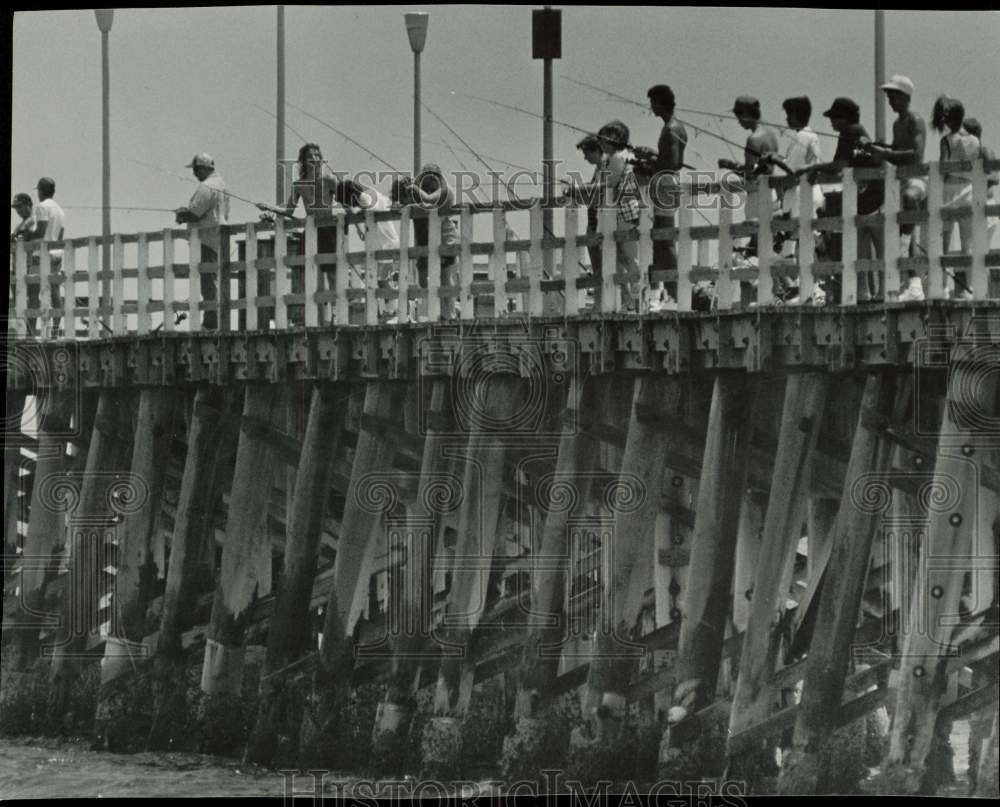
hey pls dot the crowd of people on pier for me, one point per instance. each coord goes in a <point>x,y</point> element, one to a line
<point>620,171</point>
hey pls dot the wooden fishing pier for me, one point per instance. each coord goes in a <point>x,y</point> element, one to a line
<point>717,533</point>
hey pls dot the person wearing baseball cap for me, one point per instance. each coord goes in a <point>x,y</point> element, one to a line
<point>909,137</point>
<point>208,208</point>
<point>22,205</point>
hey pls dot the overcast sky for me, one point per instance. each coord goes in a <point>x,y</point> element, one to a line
<point>186,80</point>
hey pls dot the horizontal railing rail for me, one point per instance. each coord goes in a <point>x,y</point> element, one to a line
<point>265,275</point>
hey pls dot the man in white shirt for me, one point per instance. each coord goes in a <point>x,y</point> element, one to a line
<point>208,208</point>
<point>49,226</point>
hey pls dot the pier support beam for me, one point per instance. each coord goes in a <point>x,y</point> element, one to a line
<point>12,437</point>
<point>247,547</point>
<point>477,532</point>
<point>289,632</point>
<point>189,571</point>
<point>964,457</point>
<point>862,503</point>
<point>802,413</point>
<point>705,607</point>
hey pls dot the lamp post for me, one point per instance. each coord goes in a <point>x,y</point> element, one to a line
<point>279,137</point>
<point>416,30</point>
<point>546,44</point>
<point>105,16</point>
<point>879,75</point>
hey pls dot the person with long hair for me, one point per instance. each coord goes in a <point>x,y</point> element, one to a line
<point>317,187</point>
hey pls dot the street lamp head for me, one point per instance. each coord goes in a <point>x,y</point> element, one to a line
<point>416,29</point>
<point>104,18</point>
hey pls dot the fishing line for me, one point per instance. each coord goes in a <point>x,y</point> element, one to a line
<point>347,137</point>
<point>182,178</point>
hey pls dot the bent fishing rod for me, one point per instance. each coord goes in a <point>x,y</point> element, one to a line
<point>346,136</point>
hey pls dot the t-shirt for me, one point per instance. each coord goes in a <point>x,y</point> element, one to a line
<point>210,203</point>
<point>959,146</point>
<point>803,150</point>
<point>385,235</point>
<point>871,194</point>
<point>23,228</point>
<point>50,212</point>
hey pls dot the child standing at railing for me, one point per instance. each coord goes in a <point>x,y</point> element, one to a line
<point>956,146</point>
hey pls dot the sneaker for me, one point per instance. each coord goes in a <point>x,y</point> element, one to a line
<point>393,320</point>
<point>913,293</point>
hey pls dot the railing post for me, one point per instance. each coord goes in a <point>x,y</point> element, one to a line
<point>94,288</point>
<point>223,294</point>
<point>934,233</point>
<point>251,278</point>
<point>194,280</point>
<point>433,265</point>
<point>69,290</point>
<point>342,274</point>
<point>403,306</point>
<point>20,288</point>
<point>118,287</point>
<point>608,223</point>
<point>645,251</point>
<point>979,274</point>
<point>890,250</point>
<point>310,267</point>
<point>807,245</point>
<point>498,262</point>
<point>684,249</point>
<point>466,299</point>
<point>282,281</point>
<point>536,263</point>
<point>371,271</point>
<point>142,285</point>
<point>765,242</point>
<point>44,290</point>
<point>849,253</point>
<point>724,282</point>
<point>571,266</point>
<point>168,280</point>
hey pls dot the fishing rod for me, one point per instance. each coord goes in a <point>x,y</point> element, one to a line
<point>347,137</point>
<point>685,110</point>
<point>113,207</point>
<point>182,178</point>
<point>289,126</point>
<point>489,156</point>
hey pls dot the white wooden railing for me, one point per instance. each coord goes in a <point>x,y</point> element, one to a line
<point>149,290</point>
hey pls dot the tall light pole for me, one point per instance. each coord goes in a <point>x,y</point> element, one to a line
<point>416,30</point>
<point>879,75</point>
<point>546,44</point>
<point>279,139</point>
<point>105,16</point>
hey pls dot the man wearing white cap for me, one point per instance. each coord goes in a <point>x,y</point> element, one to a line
<point>909,135</point>
<point>208,208</point>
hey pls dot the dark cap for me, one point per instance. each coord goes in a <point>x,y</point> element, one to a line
<point>21,199</point>
<point>46,184</point>
<point>843,108</point>
<point>747,104</point>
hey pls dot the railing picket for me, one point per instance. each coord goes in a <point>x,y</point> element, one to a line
<point>142,286</point>
<point>434,266</point>
<point>724,284</point>
<point>282,279</point>
<point>933,232</point>
<point>684,250</point>
<point>467,301</point>
<point>403,306</point>
<point>645,251</point>
<point>20,288</point>
<point>44,289</point>
<point>168,281</point>
<point>69,291</point>
<point>118,322</point>
<point>94,288</point>
<point>342,275</point>
<point>251,275</point>
<point>371,271</point>
<point>311,272</point>
<point>570,262</point>
<point>978,278</point>
<point>890,234</point>
<point>807,244</point>
<point>498,262</point>
<point>849,249</point>
<point>765,243</point>
<point>194,280</point>
<point>536,264</point>
<point>607,223</point>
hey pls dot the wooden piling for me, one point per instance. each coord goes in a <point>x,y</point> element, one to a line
<point>13,438</point>
<point>91,529</point>
<point>247,542</point>
<point>289,631</point>
<point>963,460</point>
<point>723,474</point>
<point>863,500</point>
<point>802,412</point>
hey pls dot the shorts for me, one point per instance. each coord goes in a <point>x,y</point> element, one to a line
<point>918,185</point>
